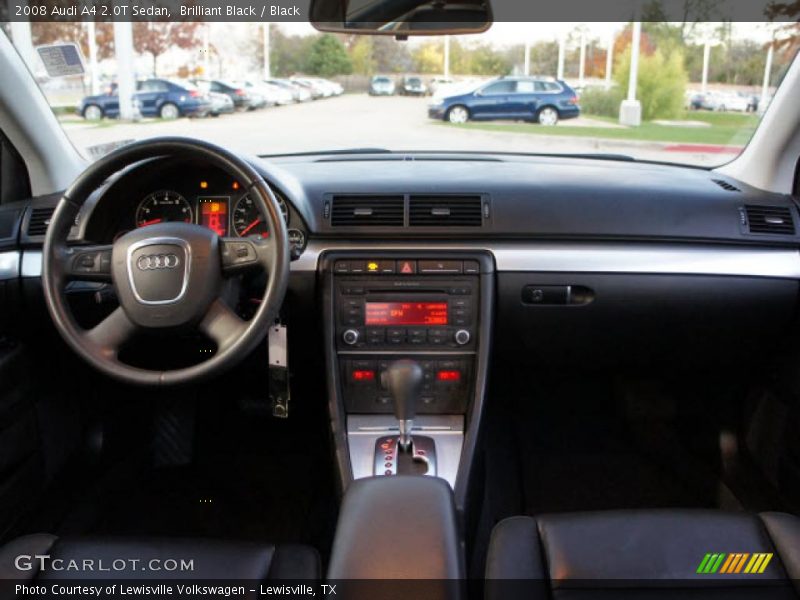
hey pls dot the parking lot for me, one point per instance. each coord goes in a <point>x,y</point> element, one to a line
<point>361,121</point>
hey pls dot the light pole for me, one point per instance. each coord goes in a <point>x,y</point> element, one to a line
<point>267,71</point>
<point>91,33</point>
<point>562,51</point>
<point>527,57</point>
<point>126,87</point>
<point>706,61</point>
<point>630,112</point>
<point>206,49</point>
<point>582,66</point>
<point>447,57</point>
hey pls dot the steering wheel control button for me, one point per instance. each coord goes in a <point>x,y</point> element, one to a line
<point>238,254</point>
<point>350,337</point>
<point>462,337</point>
<point>93,262</point>
<point>159,270</point>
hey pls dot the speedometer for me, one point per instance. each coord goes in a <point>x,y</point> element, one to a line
<point>162,207</point>
<point>248,220</point>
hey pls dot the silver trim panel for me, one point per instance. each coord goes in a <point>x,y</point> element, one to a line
<point>32,263</point>
<point>9,265</point>
<point>596,257</point>
<point>447,432</point>
<point>160,241</point>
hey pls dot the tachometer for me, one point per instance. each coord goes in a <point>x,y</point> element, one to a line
<point>162,207</point>
<point>248,220</point>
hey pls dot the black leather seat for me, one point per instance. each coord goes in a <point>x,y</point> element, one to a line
<point>643,554</point>
<point>210,559</point>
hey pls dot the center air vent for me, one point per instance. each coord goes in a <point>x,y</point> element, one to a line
<point>445,211</point>
<point>375,211</point>
<point>40,219</point>
<point>776,220</point>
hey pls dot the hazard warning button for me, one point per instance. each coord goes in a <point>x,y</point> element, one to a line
<point>406,267</point>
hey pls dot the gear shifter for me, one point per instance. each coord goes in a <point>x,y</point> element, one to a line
<point>403,379</point>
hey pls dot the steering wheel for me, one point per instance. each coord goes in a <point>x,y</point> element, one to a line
<point>168,277</point>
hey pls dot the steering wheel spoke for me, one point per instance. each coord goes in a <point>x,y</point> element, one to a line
<point>243,254</point>
<point>111,333</point>
<point>87,263</point>
<point>222,325</point>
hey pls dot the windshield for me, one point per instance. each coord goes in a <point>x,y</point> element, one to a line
<point>696,97</point>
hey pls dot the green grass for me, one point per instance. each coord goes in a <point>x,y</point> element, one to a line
<point>728,129</point>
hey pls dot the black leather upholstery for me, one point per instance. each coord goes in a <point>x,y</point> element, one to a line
<point>397,528</point>
<point>640,554</point>
<point>211,559</point>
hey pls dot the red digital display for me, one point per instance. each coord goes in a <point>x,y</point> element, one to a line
<point>406,313</point>
<point>214,214</point>
<point>361,375</point>
<point>448,376</point>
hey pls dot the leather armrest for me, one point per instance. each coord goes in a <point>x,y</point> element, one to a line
<point>400,527</point>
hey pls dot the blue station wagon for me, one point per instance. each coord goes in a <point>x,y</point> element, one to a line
<point>539,100</point>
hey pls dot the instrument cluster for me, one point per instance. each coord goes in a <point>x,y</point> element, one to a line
<point>225,209</point>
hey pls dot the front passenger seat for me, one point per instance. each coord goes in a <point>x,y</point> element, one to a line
<point>645,555</point>
<point>150,558</point>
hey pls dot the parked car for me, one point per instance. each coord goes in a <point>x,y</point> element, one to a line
<point>241,98</point>
<point>413,86</point>
<point>544,101</point>
<point>381,86</point>
<point>220,104</point>
<point>164,98</point>
<point>275,95</point>
<point>695,100</point>
<point>299,93</point>
<point>438,83</point>
<point>727,101</point>
<point>312,89</point>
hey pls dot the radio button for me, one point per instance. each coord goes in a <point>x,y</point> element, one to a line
<point>376,336</point>
<point>462,337</point>
<point>396,336</point>
<point>417,336</point>
<point>350,337</point>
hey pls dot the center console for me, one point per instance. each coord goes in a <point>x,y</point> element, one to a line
<point>409,336</point>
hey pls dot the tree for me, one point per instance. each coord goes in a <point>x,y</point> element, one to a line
<point>288,53</point>
<point>328,57</point>
<point>428,58</point>
<point>364,62</point>
<point>661,83</point>
<point>156,38</point>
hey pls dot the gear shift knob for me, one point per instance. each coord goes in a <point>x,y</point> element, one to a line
<point>403,379</point>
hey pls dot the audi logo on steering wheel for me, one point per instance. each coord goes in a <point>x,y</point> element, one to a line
<point>153,262</point>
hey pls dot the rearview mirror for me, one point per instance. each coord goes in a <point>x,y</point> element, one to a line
<point>401,17</point>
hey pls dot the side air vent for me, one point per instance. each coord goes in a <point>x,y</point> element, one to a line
<point>445,211</point>
<point>375,211</point>
<point>40,219</point>
<point>775,220</point>
<point>726,185</point>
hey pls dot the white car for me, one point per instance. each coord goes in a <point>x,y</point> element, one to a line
<point>273,95</point>
<point>727,101</point>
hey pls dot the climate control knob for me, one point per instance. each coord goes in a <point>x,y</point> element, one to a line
<point>462,337</point>
<point>350,337</point>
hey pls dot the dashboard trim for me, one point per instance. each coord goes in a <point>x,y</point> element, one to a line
<point>9,265</point>
<point>576,257</point>
<point>595,257</point>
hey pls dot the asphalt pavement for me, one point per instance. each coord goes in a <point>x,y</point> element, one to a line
<point>361,121</point>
